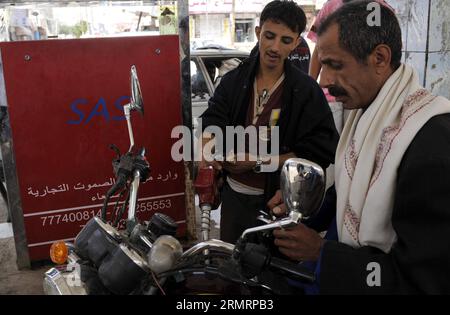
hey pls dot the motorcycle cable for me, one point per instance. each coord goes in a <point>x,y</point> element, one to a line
<point>120,183</point>
<point>156,281</point>
<point>119,212</point>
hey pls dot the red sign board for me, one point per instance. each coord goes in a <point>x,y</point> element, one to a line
<point>65,100</point>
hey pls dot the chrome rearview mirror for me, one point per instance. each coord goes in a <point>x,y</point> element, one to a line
<point>303,186</point>
<point>136,103</point>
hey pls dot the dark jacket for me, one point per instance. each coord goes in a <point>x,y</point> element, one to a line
<point>301,56</point>
<point>306,122</point>
<point>419,262</point>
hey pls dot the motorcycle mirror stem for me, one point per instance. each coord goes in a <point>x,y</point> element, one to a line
<point>302,185</point>
<point>131,221</point>
<point>136,103</point>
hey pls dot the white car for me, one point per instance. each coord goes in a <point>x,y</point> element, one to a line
<point>208,66</point>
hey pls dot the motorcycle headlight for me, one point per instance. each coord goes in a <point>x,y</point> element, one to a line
<point>165,252</point>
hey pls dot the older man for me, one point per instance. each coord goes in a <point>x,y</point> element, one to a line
<point>392,167</point>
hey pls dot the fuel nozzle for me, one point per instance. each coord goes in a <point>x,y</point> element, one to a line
<point>209,198</point>
<point>206,187</point>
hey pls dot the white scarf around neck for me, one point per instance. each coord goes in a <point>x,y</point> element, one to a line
<point>369,153</point>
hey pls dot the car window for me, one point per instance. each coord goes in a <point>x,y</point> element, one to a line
<point>218,67</point>
<point>199,87</point>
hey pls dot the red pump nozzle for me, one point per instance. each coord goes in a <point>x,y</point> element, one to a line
<point>206,187</point>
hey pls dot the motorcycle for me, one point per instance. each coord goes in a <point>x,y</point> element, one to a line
<point>249,266</point>
<point>145,257</point>
<point>105,259</point>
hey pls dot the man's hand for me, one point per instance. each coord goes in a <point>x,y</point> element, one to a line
<point>239,167</point>
<point>276,204</point>
<point>239,164</point>
<point>299,243</point>
<point>217,165</point>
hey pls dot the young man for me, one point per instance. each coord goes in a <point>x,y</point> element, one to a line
<point>267,90</point>
<point>392,167</point>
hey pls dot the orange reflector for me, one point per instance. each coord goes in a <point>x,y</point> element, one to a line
<point>59,252</point>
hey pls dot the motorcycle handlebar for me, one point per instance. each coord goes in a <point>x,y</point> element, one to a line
<point>255,258</point>
<point>293,270</point>
<point>123,168</point>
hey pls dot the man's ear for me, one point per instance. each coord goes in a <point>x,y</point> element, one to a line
<point>257,32</point>
<point>381,58</point>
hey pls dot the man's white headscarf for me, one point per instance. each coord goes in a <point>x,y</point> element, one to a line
<point>369,153</point>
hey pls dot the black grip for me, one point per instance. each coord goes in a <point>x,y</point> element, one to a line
<point>120,183</point>
<point>292,270</point>
<point>141,152</point>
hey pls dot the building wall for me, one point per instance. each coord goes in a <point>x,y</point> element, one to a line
<point>210,26</point>
<point>426,40</point>
<point>214,26</point>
